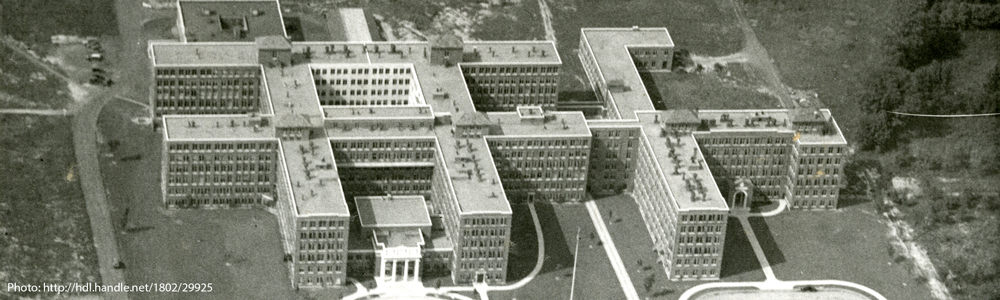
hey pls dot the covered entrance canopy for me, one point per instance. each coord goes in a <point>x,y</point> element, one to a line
<point>397,224</point>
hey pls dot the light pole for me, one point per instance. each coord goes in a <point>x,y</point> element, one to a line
<point>572,285</point>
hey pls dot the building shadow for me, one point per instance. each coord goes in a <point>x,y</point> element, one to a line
<point>523,238</point>
<point>649,80</point>
<point>293,26</point>
<point>557,253</point>
<point>737,255</point>
<point>766,240</point>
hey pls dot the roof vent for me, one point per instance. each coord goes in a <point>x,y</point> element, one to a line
<point>256,12</point>
<point>207,12</point>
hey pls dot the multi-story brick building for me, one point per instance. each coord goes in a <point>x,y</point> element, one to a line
<point>340,138</point>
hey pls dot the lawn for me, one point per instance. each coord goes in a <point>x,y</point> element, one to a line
<point>704,91</point>
<point>636,247</point>
<point>524,244</point>
<point>35,21</point>
<point>44,229</point>
<point>595,279</point>
<point>25,85</point>
<point>849,244</point>
<point>237,250</point>
<point>634,244</point>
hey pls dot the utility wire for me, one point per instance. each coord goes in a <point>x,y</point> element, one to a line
<point>944,116</point>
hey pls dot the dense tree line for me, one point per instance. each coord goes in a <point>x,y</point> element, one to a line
<point>919,78</point>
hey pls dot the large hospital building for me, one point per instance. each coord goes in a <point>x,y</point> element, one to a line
<point>397,159</point>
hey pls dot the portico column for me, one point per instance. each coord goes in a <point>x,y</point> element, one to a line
<point>381,268</point>
<point>393,270</point>
<point>406,270</point>
<point>416,270</point>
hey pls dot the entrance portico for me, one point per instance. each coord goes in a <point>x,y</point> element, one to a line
<point>397,224</point>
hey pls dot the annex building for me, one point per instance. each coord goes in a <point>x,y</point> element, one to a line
<point>398,159</point>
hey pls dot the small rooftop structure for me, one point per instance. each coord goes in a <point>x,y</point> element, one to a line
<point>447,40</point>
<point>392,211</point>
<point>229,20</point>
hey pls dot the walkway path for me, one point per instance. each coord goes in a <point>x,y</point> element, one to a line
<point>17,47</point>
<point>765,266</point>
<point>40,112</point>
<point>772,282</point>
<point>85,145</point>
<point>550,34</point>
<point>757,59</point>
<point>609,247</point>
<point>782,205</point>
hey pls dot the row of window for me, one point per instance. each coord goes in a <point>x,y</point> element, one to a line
<point>819,161</point>
<point>744,141</point>
<point>511,80</point>
<point>495,70</point>
<point>241,83</point>
<point>699,228</point>
<point>215,72</point>
<point>482,253</point>
<point>322,235</point>
<point>320,257</point>
<point>321,224</point>
<point>363,92</point>
<point>478,91</point>
<point>696,261</point>
<point>817,181</point>
<point>226,146</point>
<point>377,81</point>
<point>362,71</point>
<point>816,192</point>
<point>380,144</point>
<point>218,191</point>
<point>219,179</point>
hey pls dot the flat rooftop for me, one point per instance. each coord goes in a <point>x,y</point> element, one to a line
<point>474,177</point>
<point>568,123</point>
<point>293,96</point>
<point>379,112</point>
<point>353,25</point>
<point>216,127</point>
<point>230,20</point>
<point>783,120</point>
<point>176,53</point>
<point>312,175</point>
<point>615,63</point>
<point>691,184</point>
<point>511,52</point>
<point>392,211</point>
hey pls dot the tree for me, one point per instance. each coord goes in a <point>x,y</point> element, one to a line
<point>884,89</point>
<point>918,38</point>
<point>931,90</point>
<point>877,132</point>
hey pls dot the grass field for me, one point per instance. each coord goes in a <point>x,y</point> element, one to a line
<point>237,250</point>
<point>634,243</point>
<point>704,91</point>
<point>595,279</point>
<point>634,246</point>
<point>44,230</point>
<point>824,46</point>
<point>25,85</point>
<point>849,244</point>
<point>35,21</point>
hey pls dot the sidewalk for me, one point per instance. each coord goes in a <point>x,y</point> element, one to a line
<point>609,246</point>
